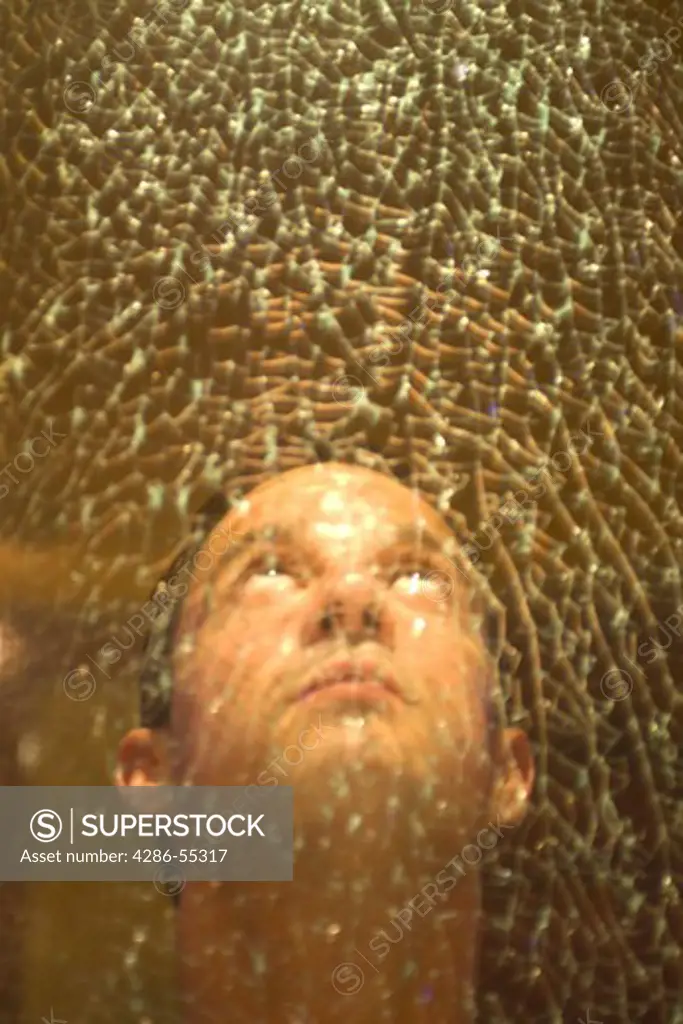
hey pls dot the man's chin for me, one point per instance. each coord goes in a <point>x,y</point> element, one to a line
<point>354,748</point>
<point>323,730</point>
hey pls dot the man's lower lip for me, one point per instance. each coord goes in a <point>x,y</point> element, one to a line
<point>351,690</point>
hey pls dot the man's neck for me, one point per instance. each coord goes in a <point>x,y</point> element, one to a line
<point>365,932</point>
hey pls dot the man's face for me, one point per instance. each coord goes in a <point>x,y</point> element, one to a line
<point>332,640</point>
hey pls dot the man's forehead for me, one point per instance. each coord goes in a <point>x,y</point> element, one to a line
<point>341,498</point>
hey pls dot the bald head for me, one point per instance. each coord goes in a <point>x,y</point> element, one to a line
<point>339,479</point>
<point>330,596</point>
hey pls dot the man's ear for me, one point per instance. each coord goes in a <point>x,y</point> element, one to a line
<point>515,777</point>
<point>143,759</point>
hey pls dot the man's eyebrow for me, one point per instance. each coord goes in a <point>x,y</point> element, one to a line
<point>418,537</point>
<point>241,542</point>
<point>421,539</point>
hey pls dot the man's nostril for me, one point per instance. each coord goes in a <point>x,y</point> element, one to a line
<point>331,616</point>
<point>370,619</point>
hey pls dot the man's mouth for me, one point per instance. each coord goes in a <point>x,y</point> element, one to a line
<point>354,680</point>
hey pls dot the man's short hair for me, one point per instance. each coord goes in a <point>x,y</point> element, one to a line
<point>156,676</point>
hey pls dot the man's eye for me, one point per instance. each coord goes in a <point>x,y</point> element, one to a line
<point>409,581</point>
<point>270,570</point>
<point>426,581</point>
<point>267,570</point>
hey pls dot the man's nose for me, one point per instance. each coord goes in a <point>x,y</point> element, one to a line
<point>354,607</point>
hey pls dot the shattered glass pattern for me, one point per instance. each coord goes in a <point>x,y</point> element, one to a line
<point>439,239</point>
